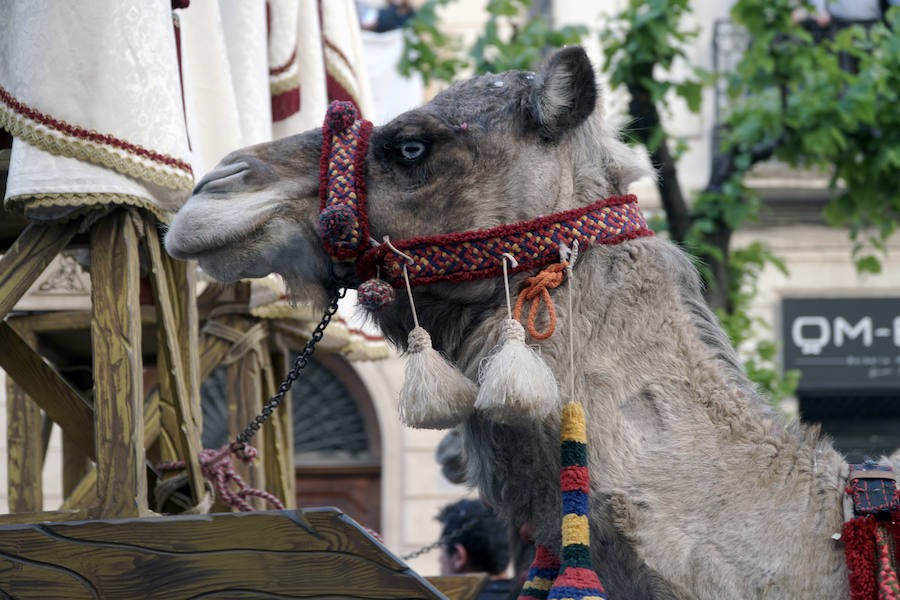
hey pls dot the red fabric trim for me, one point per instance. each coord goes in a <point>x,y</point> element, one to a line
<point>336,91</point>
<point>93,136</point>
<point>285,104</point>
<point>286,65</point>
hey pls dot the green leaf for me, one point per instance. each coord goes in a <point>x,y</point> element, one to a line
<point>868,264</point>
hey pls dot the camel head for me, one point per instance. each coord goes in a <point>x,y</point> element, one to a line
<point>491,150</point>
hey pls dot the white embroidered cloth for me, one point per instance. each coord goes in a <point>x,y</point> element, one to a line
<point>91,92</point>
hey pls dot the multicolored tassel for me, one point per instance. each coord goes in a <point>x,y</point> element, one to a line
<point>543,571</point>
<point>577,579</point>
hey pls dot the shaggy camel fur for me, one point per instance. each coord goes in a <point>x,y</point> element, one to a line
<point>697,490</point>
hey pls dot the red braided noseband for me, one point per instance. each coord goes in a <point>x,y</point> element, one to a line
<point>344,226</point>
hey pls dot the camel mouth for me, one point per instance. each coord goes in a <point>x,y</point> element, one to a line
<point>222,179</point>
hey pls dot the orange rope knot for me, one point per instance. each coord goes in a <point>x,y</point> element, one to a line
<point>535,290</point>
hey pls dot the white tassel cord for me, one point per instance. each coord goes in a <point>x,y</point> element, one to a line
<point>435,394</point>
<point>516,385</point>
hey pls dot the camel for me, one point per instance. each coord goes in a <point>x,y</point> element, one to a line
<point>698,489</point>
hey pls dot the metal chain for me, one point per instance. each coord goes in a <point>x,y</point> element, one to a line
<point>299,364</point>
<point>444,539</point>
<point>422,550</point>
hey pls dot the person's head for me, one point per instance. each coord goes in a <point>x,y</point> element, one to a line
<point>475,540</point>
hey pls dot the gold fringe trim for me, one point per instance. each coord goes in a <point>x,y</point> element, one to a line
<point>23,202</point>
<point>21,127</point>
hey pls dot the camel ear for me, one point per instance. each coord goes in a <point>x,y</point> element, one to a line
<point>565,93</point>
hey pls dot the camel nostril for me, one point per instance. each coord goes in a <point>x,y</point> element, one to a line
<point>222,176</point>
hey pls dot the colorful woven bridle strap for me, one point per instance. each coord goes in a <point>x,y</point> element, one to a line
<point>344,226</point>
<point>343,220</point>
<point>479,254</point>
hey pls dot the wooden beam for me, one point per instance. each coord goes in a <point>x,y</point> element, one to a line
<point>280,358</point>
<point>30,518</point>
<point>24,447</point>
<point>118,367</point>
<point>47,388</point>
<point>266,554</point>
<point>24,262</point>
<point>244,391</point>
<point>175,322</point>
<point>84,495</point>
<point>279,456</point>
<point>75,466</point>
<point>69,320</point>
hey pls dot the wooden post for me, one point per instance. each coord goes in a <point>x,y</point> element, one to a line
<point>48,388</point>
<point>279,463</point>
<point>24,447</point>
<point>118,365</point>
<point>244,385</point>
<point>74,465</point>
<point>24,262</point>
<point>178,356</point>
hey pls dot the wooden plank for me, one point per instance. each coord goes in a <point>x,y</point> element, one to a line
<point>69,320</point>
<point>45,516</point>
<point>24,444</point>
<point>460,587</point>
<point>243,393</point>
<point>170,353</point>
<point>47,388</point>
<point>268,554</point>
<point>84,494</point>
<point>118,367</point>
<point>280,358</point>
<point>278,461</point>
<point>75,465</point>
<point>24,262</point>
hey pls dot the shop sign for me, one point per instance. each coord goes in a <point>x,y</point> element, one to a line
<point>843,344</point>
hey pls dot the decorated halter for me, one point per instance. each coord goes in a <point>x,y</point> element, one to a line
<point>344,227</point>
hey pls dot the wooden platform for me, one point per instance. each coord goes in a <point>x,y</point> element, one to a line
<point>315,553</point>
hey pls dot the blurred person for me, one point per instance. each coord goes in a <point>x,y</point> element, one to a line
<point>379,20</point>
<point>844,12</point>
<point>475,540</point>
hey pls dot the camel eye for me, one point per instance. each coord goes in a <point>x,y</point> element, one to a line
<point>412,150</point>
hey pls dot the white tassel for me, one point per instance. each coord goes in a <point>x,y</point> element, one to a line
<point>517,386</point>
<point>435,394</point>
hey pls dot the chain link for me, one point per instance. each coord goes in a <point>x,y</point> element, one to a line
<point>463,530</point>
<point>302,360</point>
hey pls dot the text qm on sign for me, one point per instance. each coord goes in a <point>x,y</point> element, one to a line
<point>843,344</point>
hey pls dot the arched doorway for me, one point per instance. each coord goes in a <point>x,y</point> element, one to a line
<point>337,442</point>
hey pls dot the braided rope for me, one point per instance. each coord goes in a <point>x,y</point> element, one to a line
<point>535,290</point>
<point>218,469</point>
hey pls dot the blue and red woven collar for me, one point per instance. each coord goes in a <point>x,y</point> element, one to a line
<point>344,227</point>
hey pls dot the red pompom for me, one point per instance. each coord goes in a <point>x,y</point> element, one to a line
<point>341,115</point>
<point>375,294</point>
